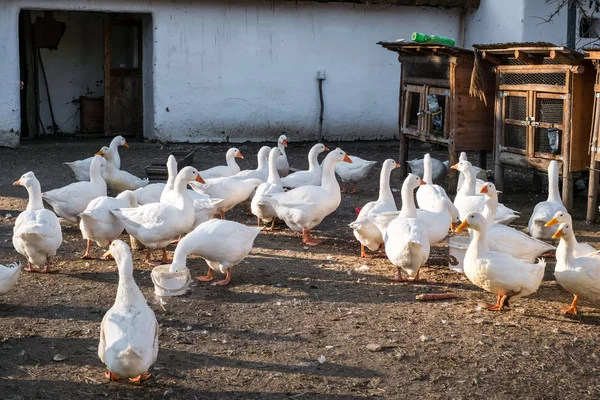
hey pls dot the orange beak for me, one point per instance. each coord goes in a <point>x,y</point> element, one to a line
<point>199,179</point>
<point>396,165</point>
<point>125,144</point>
<point>454,225</point>
<point>284,143</point>
<point>484,189</point>
<point>239,155</point>
<point>455,166</point>
<point>347,159</point>
<point>423,182</point>
<point>464,225</point>
<point>107,254</point>
<point>326,148</point>
<point>553,221</point>
<point>559,233</point>
<point>100,153</point>
<point>17,183</point>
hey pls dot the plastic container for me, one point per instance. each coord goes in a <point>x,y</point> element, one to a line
<point>167,283</point>
<point>423,38</point>
<point>457,248</point>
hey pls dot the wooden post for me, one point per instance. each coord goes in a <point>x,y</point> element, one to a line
<point>498,134</point>
<point>567,176</point>
<point>483,159</point>
<point>107,77</point>
<point>592,206</point>
<point>403,156</point>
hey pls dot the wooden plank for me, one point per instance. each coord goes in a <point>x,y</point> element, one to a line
<point>421,59</point>
<point>532,111</point>
<point>445,83</point>
<point>560,57</point>
<point>539,88</point>
<point>499,110</point>
<point>403,110</point>
<point>107,79</point>
<point>567,190</point>
<point>528,69</point>
<point>592,204</point>
<point>490,58</point>
<point>528,58</point>
<point>31,84</point>
<point>522,161</point>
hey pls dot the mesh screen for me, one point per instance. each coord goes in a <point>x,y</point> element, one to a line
<point>542,142</point>
<point>551,110</point>
<point>516,108</point>
<point>515,136</point>
<point>554,79</point>
<point>430,71</point>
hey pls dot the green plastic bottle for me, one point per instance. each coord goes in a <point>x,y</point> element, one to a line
<point>423,38</point>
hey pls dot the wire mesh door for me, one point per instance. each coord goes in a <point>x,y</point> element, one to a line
<point>515,121</point>
<point>414,103</point>
<point>548,124</point>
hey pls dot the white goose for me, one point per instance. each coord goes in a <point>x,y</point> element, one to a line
<point>129,330</point>
<point>480,175</point>
<point>579,275</point>
<point>222,171</point>
<point>81,168</point>
<point>365,231</point>
<point>579,249</point>
<point>545,210</point>
<point>305,207</point>
<point>222,244</point>
<point>505,239</point>
<point>262,171</point>
<point>231,190</point>
<point>117,179</point>
<point>428,195</point>
<point>156,224</point>
<point>310,177</point>
<point>266,212</point>
<point>9,275</point>
<point>496,272</point>
<point>283,166</point>
<point>468,202</point>
<point>442,217</point>
<point>439,169</point>
<point>98,223</point>
<point>354,172</point>
<point>151,193</point>
<point>37,233</point>
<point>406,238</point>
<point>70,201</point>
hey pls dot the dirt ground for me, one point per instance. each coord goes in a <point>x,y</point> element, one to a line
<point>295,322</point>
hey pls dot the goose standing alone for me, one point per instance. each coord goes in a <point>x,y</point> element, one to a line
<point>117,179</point>
<point>98,223</point>
<point>305,207</point>
<point>266,212</point>
<point>223,171</point>
<point>129,330</point>
<point>70,201</point>
<point>310,177</point>
<point>545,210</point>
<point>579,275</point>
<point>37,233</point>
<point>283,166</point>
<point>222,244</point>
<point>406,238</point>
<point>81,168</point>
<point>354,172</point>
<point>496,272</point>
<point>365,231</point>
<point>155,225</point>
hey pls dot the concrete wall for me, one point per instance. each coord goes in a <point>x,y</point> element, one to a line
<point>246,70</point>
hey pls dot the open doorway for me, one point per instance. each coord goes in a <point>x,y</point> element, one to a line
<point>85,74</point>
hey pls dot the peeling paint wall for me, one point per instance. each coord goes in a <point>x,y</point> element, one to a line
<point>246,70</point>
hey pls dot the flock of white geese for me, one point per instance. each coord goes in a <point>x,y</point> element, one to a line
<point>499,259</point>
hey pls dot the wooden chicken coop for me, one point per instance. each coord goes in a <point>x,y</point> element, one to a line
<point>594,149</point>
<point>435,105</point>
<point>543,108</point>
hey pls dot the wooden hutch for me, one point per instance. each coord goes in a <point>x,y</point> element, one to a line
<point>435,105</point>
<point>592,208</point>
<point>543,108</point>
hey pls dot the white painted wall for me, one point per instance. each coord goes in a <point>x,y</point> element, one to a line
<point>75,69</point>
<point>246,70</point>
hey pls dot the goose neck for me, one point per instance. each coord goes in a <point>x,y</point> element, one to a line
<point>180,192</point>
<point>489,210</point>
<point>273,177</point>
<point>35,197</point>
<point>553,193</point>
<point>468,186</point>
<point>569,242</point>
<point>479,240</point>
<point>96,170</point>
<point>385,192</point>
<point>128,292</point>
<point>427,172</point>
<point>328,175</point>
<point>408,210</point>
<point>313,159</point>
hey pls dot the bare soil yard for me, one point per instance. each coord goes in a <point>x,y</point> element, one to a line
<point>294,323</point>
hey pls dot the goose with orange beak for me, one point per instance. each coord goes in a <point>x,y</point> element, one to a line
<point>506,239</point>
<point>155,225</point>
<point>352,173</point>
<point>117,179</point>
<point>283,166</point>
<point>81,168</point>
<point>310,177</point>
<point>580,249</point>
<point>223,171</point>
<point>406,237</point>
<point>303,208</point>
<point>497,272</point>
<point>579,275</point>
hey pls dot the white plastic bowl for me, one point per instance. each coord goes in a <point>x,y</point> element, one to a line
<point>168,283</point>
<point>457,246</point>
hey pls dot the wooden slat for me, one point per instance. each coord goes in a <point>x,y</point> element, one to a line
<point>490,58</point>
<point>528,58</point>
<point>560,57</point>
<point>521,161</point>
<point>528,69</point>
<point>529,87</point>
<point>107,80</point>
<point>445,83</point>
